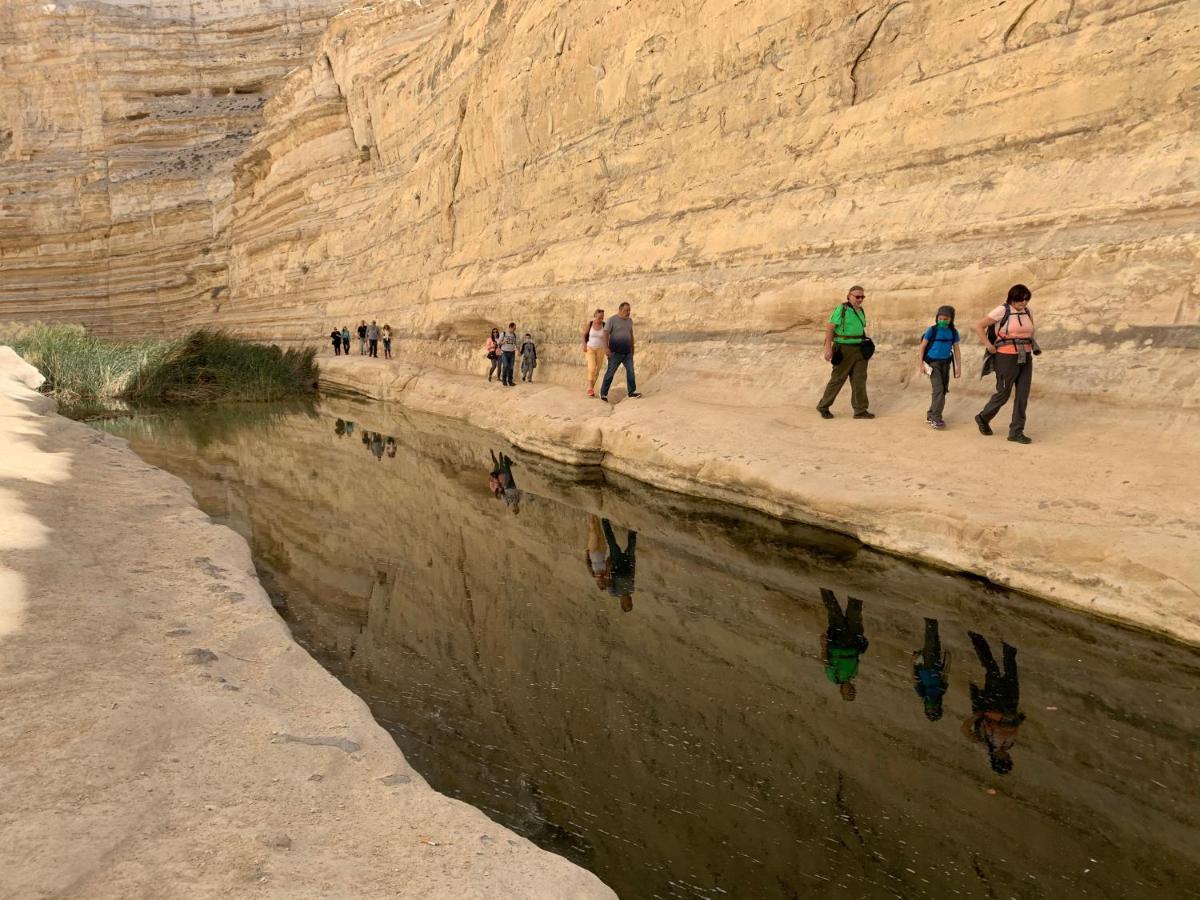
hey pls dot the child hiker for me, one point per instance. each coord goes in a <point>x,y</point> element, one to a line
<point>528,358</point>
<point>937,354</point>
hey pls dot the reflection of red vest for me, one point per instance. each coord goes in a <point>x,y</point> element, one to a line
<point>998,729</point>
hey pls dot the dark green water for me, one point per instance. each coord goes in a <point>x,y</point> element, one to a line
<point>658,709</point>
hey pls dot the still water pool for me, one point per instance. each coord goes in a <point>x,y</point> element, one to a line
<point>694,701</point>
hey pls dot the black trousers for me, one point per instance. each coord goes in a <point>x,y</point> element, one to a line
<point>374,351</point>
<point>1010,374</point>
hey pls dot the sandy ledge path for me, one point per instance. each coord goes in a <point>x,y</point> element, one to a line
<point>160,732</point>
<point>1105,520</point>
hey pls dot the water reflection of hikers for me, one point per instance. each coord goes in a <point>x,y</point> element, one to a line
<point>843,642</point>
<point>622,564</point>
<point>598,561</point>
<point>391,447</point>
<point>504,485</point>
<point>339,427</point>
<point>995,715</point>
<point>930,667</point>
<point>377,445</point>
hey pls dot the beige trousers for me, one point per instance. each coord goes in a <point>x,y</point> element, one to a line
<point>595,364</point>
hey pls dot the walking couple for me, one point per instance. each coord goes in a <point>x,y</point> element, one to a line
<point>611,339</point>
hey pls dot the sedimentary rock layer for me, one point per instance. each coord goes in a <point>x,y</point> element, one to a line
<point>119,123</point>
<point>731,168</point>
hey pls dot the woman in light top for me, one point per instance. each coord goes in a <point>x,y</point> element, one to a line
<point>1007,333</point>
<point>593,349</point>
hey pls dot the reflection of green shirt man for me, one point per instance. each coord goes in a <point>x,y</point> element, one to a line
<point>843,642</point>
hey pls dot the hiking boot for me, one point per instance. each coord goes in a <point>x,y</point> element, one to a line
<point>1020,439</point>
<point>635,394</point>
<point>604,399</point>
<point>591,392</point>
<point>825,414</point>
<point>864,415</point>
<point>938,423</point>
<point>984,427</point>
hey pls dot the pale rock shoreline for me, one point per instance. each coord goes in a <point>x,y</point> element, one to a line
<point>1100,524</point>
<point>162,734</point>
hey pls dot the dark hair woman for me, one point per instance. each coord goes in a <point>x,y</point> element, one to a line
<point>1007,333</point>
<point>493,353</point>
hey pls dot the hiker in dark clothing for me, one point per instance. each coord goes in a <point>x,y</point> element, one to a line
<point>1007,334</point>
<point>336,337</point>
<point>345,341</point>
<point>930,667</point>
<point>622,565</point>
<point>843,642</point>
<point>373,340</point>
<point>995,714</point>
<point>528,358</point>
<point>362,338</point>
<point>848,349</point>
<point>938,354</point>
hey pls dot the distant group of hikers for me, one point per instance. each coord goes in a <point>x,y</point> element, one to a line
<point>369,338</point>
<point>603,339</point>
<point>1007,333</point>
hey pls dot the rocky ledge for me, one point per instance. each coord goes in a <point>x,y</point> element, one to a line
<point>1084,517</point>
<point>162,733</point>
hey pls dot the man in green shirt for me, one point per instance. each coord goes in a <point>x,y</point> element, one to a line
<point>844,334</point>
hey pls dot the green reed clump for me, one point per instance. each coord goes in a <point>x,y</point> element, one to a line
<point>78,366</point>
<point>204,367</point>
<point>208,366</point>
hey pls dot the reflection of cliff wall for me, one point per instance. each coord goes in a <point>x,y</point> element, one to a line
<point>119,124</point>
<point>479,638</point>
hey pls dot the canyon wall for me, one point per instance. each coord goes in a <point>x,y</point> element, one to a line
<point>729,167</point>
<point>119,124</point>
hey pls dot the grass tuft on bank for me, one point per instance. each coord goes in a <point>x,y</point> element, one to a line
<point>204,367</point>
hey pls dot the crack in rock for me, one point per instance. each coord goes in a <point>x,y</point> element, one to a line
<point>338,743</point>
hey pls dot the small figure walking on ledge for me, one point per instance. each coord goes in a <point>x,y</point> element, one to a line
<point>847,349</point>
<point>528,358</point>
<point>937,355</point>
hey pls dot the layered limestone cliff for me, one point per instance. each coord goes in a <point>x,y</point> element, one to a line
<point>119,125</point>
<point>728,167</point>
<point>731,168</point>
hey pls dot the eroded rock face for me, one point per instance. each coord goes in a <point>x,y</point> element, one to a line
<point>119,123</point>
<point>729,167</point>
<point>731,170</point>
